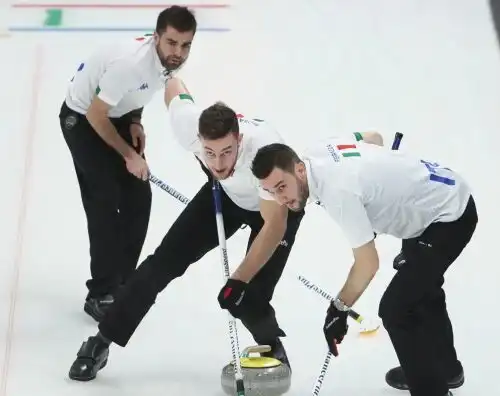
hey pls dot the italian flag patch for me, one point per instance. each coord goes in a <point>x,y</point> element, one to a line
<point>348,150</point>
<point>186,97</point>
<point>358,136</point>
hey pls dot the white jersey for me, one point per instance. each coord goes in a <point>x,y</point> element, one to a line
<point>125,75</point>
<point>241,187</point>
<point>367,188</point>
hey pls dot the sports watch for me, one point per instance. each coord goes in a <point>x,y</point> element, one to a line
<point>340,305</point>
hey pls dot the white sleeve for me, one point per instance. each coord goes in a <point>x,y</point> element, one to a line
<point>116,82</point>
<point>184,116</point>
<point>350,214</point>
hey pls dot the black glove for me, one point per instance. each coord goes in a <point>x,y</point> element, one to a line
<point>399,261</point>
<point>231,296</point>
<point>335,328</point>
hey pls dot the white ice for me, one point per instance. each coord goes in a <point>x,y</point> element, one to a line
<point>430,69</point>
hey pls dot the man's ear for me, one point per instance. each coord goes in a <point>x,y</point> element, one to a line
<point>300,170</point>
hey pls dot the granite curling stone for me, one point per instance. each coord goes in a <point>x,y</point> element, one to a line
<point>262,376</point>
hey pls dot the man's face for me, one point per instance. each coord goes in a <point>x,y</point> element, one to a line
<point>288,188</point>
<point>173,47</point>
<point>221,154</point>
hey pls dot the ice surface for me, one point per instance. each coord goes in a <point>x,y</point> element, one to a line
<point>428,69</point>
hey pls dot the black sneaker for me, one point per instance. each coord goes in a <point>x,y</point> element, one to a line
<point>92,356</point>
<point>97,306</point>
<point>396,379</point>
<point>278,352</point>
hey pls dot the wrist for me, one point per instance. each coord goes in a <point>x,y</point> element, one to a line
<point>238,276</point>
<point>130,154</point>
<point>138,123</point>
<point>340,305</point>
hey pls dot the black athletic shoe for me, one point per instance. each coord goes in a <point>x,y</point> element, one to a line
<point>396,379</point>
<point>96,306</point>
<point>278,352</point>
<point>92,357</point>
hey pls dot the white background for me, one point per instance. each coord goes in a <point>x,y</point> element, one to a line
<point>427,68</point>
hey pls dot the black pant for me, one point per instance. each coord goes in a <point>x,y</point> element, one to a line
<point>192,235</point>
<point>495,16</point>
<point>116,203</point>
<point>413,308</point>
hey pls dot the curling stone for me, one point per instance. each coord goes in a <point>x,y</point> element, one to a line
<point>262,376</point>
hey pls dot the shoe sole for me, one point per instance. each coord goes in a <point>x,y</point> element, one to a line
<point>454,385</point>
<point>86,379</point>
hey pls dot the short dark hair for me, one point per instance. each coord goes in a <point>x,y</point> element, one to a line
<point>217,121</point>
<point>275,155</point>
<point>179,17</point>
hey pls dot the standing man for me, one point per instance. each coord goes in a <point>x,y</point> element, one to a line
<point>101,123</point>
<point>366,188</point>
<point>225,144</point>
